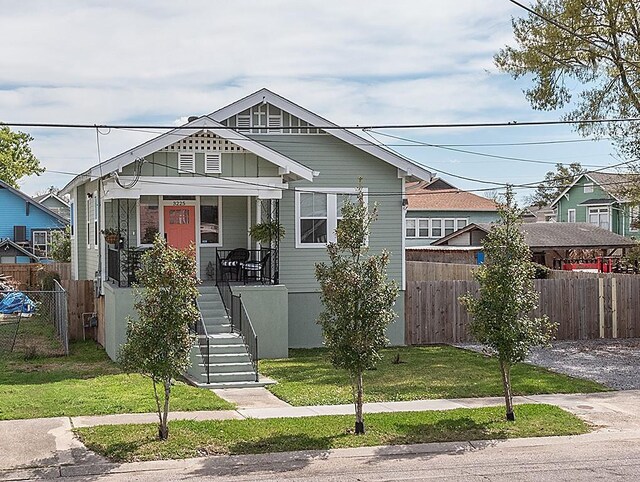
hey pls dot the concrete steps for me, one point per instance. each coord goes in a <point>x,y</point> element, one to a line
<point>229,362</point>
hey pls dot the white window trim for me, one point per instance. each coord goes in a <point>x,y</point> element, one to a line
<point>73,225</point>
<point>207,156</point>
<point>88,208</point>
<point>569,211</point>
<point>431,227</point>
<point>186,154</point>
<point>46,244</point>
<point>608,208</point>
<point>632,210</point>
<point>415,227</point>
<point>96,216</point>
<point>332,212</point>
<point>589,186</point>
<point>210,245</point>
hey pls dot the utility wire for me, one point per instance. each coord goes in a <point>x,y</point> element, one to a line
<point>328,126</point>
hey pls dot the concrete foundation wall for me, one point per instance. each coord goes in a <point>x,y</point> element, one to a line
<point>268,310</point>
<point>118,309</point>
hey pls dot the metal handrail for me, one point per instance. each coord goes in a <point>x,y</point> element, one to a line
<point>241,324</point>
<point>202,334</point>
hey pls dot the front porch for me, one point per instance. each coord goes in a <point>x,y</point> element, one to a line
<point>215,227</point>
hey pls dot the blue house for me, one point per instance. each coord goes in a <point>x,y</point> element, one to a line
<point>25,227</point>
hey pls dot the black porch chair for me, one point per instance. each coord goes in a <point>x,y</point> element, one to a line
<point>233,262</point>
<point>256,270</point>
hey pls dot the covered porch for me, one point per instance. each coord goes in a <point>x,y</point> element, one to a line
<point>214,221</point>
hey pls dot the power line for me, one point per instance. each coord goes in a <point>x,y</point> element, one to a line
<point>329,126</point>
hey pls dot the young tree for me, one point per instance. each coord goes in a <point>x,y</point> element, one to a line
<point>584,49</point>
<point>502,313</point>
<point>358,299</point>
<point>16,158</point>
<point>60,248</point>
<point>159,342</point>
<point>554,183</point>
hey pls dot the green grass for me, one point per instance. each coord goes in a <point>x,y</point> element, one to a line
<point>307,377</point>
<point>191,439</point>
<point>87,382</point>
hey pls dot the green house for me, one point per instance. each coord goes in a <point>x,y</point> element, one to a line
<point>595,198</point>
<point>262,159</point>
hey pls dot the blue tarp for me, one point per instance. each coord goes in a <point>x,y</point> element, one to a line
<point>16,302</point>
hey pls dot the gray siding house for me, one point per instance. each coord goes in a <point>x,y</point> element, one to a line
<point>262,158</point>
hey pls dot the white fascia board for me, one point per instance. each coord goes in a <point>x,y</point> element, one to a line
<point>261,187</point>
<point>205,123</point>
<point>412,169</point>
<point>568,188</point>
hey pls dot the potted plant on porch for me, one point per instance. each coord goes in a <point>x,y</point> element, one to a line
<point>267,231</point>
<point>111,235</point>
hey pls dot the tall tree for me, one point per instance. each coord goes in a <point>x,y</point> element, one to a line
<point>16,158</point>
<point>584,54</point>
<point>502,312</point>
<point>554,183</point>
<point>159,342</point>
<point>358,299</point>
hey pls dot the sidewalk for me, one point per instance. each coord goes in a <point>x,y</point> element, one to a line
<point>597,408</point>
<point>47,447</point>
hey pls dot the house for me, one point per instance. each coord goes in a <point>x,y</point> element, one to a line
<point>548,241</point>
<point>436,208</point>
<point>25,226</point>
<point>539,214</point>
<point>260,159</point>
<point>55,203</point>
<point>596,198</point>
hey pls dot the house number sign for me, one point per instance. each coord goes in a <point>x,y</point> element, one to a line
<point>179,203</point>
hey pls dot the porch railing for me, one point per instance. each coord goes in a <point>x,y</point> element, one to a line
<point>247,265</point>
<point>122,265</point>
<point>240,321</point>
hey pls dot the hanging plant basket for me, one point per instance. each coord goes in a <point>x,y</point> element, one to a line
<point>111,236</point>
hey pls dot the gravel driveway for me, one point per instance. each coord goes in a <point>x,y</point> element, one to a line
<point>614,363</point>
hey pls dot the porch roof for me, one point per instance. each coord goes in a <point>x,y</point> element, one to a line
<point>288,167</point>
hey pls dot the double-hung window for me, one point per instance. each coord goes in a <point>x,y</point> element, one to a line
<point>599,216</point>
<point>40,243</point>
<point>318,214</point>
<point>634,218</point>
<point>88,217</point>
<point>96,215</point>
<point>571,215</point>
<point>410,227</point>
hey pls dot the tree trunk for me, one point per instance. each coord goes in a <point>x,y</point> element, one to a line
<point>163,433</point>
<point>505,368</point>
<point>359,401</point>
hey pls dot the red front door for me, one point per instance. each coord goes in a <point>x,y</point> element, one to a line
<point>180,225</point>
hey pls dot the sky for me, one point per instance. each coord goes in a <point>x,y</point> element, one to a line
<point>353,62</point>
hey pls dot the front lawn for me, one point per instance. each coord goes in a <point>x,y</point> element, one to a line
<point>307,377</point>
<point>36,381</point>
<point>127,443</point>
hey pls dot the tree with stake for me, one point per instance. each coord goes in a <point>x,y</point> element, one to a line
<point>502,312</point>
<point>159,342</point>
<point>358,299</point>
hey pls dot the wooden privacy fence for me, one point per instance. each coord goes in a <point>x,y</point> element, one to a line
<point>429,271</point>
<point>584,308</point>
<point>80,303</point>
<point>28,274</point>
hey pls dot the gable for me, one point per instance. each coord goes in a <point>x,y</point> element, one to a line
<point>265,118</point>
<point>315,124</point>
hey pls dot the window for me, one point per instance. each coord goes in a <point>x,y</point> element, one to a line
<point>212,163</point>
<point>599,217</point>
<point>410,228</point>
<point>436,228</point>
<point>72,221</point>
<point>318,214</point>
<point>186,162</point>
<point>313,217</point>
<point>209,220</point>
<point>634,218</point>
<point>88,216</point>
<point>40,244</point>
<point>588,188</point>
<point>96,215</point>
<point>433,228</point>
<point>149,219</point>
<point>571,215</point>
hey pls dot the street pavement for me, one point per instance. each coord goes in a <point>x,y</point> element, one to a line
<point>45,448</point>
